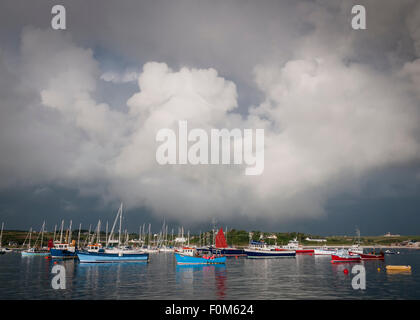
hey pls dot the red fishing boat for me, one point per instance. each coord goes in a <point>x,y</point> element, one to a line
<point>372,256</point>
<point>344,256</point>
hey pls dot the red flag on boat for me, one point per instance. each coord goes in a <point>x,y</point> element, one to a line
<point>220,239</point>
<point>50,243</point>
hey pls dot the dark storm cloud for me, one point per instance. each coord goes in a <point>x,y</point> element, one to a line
<point>336,104</point>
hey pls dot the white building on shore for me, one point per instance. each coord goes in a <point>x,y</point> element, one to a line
<point>315,240</point>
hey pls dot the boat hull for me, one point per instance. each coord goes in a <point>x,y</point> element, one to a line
<point>304,251</point>
<point>102,257</point>
<point>29,254</point>
<point>185,259</point>
<point>372,256</point>
<point>267,254</point>
<point>338,259</point>
<point>62,254</point>
<point>228,252</point>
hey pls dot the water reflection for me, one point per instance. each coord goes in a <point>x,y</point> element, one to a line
<point>305,277</point>
<point>97,276</point>
<point>205,278</point>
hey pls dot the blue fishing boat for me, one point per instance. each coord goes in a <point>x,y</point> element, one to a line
<point>191,256</point>
<point>97,254</point>
<point>66,249</point>
<point>63,251</point>
<point>117,256</point>
<point>259,250</point>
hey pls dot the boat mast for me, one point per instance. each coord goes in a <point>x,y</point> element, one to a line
<point>106,231</point>
<point>1,234</point>
<point>55,229</point>
<point>149,240</point>
<point>61,234</point>
<point>113,226</point>
<point>119,233</point>
<point>98,232</point>
<point>30,235</point>
<point>69,238</point>
<point>78,237</point>
<point>42,234</point>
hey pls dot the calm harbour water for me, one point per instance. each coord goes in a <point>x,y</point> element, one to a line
<point>303,277</point>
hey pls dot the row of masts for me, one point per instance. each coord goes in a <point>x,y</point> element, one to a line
<point>145,237</point>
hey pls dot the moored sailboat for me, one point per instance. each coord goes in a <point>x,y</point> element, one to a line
<point>120,253</point>
<point>3,250</point>
<point>35,250</point>
<point>222,247</point>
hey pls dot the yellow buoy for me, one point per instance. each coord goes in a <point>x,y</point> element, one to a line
<point>379,269</point>
<point>405,268</point>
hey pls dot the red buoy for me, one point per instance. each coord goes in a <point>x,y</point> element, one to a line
<point>346,271</point>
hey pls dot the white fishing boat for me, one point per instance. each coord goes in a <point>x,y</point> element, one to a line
<point>260,250</point>
<point>324,251</point>
<point>294,245</point>
<point>356,249</point>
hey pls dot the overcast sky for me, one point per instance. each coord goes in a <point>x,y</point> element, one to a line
<point>80,108</point>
